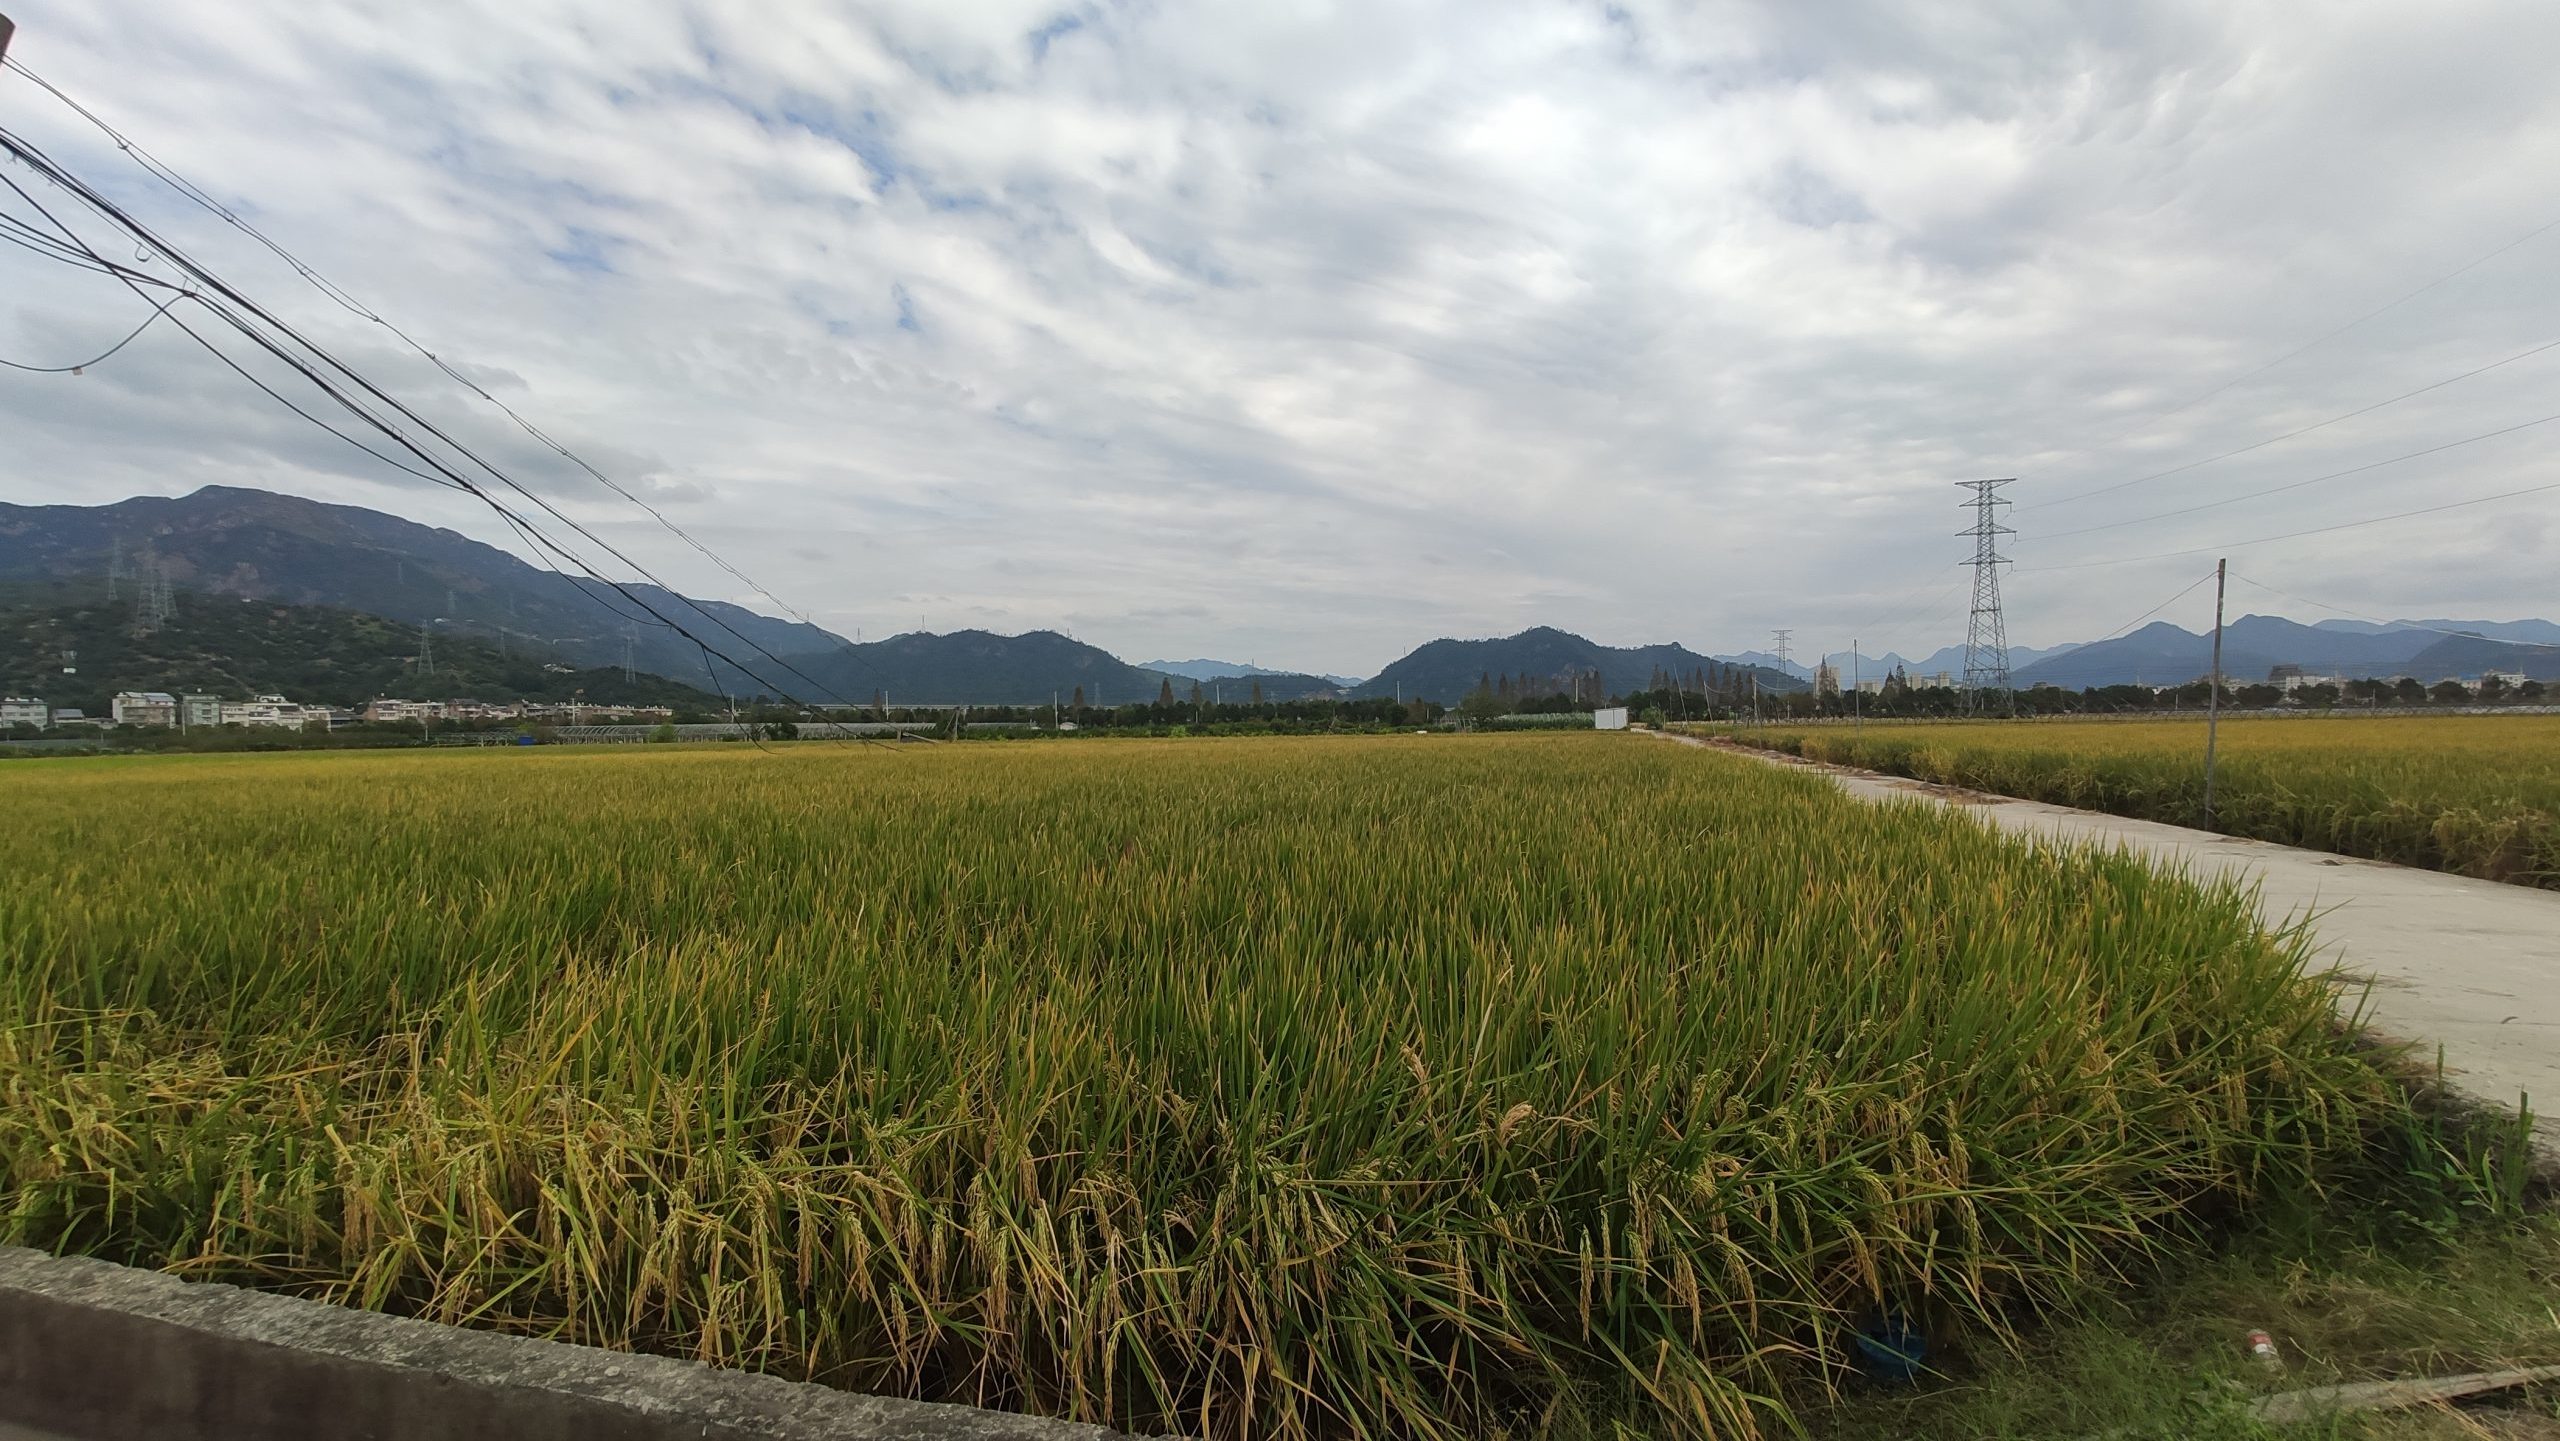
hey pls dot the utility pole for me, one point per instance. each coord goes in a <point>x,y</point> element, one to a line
<point>2213,699</point>
<point>1986,636</point>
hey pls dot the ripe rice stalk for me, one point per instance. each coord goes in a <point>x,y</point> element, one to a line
<point>1394,1086</point>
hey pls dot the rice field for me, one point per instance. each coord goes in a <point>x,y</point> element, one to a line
<point>1395,1086</point>
<point>2475,795</point>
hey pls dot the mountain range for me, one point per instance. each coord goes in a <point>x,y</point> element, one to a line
<point>1204,669</point>
<point>234,542</point>
<point>2253,645</point>
<point>66,642</point>
<point>1870,665</point>
<point>1445,670</point>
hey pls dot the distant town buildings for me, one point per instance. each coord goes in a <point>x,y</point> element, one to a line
<point>392,711</point>
<point>271,710</point>
<point>144,708</point>
<point>403,712</point>
<point>199,710</point>
<point>19,710</point>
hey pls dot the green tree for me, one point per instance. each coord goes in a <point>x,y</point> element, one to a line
<point>1164,693</point>
<point>1480,705</point>
<point>2450,692</point>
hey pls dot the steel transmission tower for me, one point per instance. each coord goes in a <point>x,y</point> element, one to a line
<point>1986,636</point>
<point>1778,646</point>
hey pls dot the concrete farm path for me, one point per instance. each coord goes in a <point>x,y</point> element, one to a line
<point>2473,966</point>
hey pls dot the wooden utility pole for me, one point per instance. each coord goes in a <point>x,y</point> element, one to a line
<point>2213,698</point>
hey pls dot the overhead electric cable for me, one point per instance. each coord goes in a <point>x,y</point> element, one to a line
<point>88,196</point>
<point>329,288</point>
<point>2400,624</point>
<point>157,311</point>
<point>2297,534</point>
<point>2298,484</point>
<point>2290,434</point>
<point>2326,336</point>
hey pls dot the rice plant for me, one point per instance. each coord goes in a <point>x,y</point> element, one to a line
<point>2476,795</point>
<point>1398,1086</point>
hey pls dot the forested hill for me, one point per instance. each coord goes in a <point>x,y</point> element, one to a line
<point>317,655</point>
<point>1445,670</point>
<point>231,541</point>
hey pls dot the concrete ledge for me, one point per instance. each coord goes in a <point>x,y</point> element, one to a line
<point>103,1352</point>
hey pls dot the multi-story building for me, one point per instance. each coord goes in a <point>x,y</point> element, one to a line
<point>144,708</point>
<point>199,711</point>
<point>23,710</point>
<point>270,710</point>
<point>404,712</point>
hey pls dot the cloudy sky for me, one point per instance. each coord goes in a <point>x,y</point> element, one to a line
<point>1303,332</point>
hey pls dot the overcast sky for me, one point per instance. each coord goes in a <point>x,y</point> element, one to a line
<point>1302,333</point>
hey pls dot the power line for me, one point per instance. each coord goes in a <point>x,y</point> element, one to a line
<point>325,286</point>
<point>2326,336</point>
<point>88,196</point>
<point>2298,484</point>
<point>2400,624</point>
<point>2290,434</point>
<point>2298,534</point>
<point>157,311</point>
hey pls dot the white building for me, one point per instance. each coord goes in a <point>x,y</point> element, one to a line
<point>270,710</point>
<point>144,708</point>
<point>406,712</point>
<point>1935,680</point>
<point>199,711</point>
<point>21,710</point>
<point>2508,678</point>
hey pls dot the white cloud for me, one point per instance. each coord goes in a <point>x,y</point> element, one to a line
<point>1310,331</point>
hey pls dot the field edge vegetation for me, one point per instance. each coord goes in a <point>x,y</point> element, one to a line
<point>2473,795</point>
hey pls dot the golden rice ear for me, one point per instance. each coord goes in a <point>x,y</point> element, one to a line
<point>1383,1089</point>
